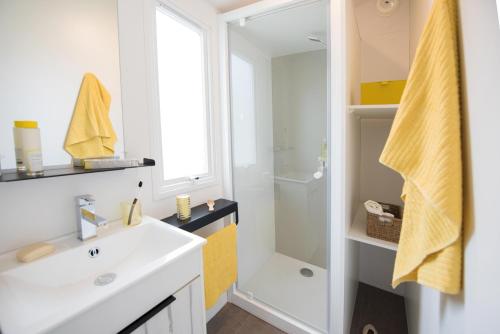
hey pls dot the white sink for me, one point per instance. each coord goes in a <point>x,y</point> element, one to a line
<point>51,293</point>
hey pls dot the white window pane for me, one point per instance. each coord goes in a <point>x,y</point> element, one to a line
<point>243,110</point>
<point>183,104</point>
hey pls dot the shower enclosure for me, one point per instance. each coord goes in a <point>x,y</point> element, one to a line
<point>278,102</point>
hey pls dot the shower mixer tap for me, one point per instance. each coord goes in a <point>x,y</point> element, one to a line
<point>321,168</point>
<point>322,160</point>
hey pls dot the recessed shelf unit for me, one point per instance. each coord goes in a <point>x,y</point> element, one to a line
<point>11,175</point>
<point>357,232</point>
<point>384,111</point>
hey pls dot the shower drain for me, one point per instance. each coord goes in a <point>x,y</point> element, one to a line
<point>306,272</point>
<point>104,279</point>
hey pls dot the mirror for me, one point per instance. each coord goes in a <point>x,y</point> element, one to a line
<point>46,48</point>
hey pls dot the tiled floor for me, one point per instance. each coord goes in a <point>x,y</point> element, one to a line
<point>384,310</point>
<point>233,320</point>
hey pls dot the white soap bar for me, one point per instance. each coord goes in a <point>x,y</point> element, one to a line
<point>35,251</point>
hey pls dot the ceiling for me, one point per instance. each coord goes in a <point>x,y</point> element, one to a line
<point>285,32</point>
<point>226,5</point>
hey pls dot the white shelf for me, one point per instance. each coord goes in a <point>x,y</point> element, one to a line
<point>357,232</point>
<point>374,111</point>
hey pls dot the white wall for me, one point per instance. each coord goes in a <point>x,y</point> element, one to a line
<point>300,219</point>
<point>47,47</point>
<point>384,46</point>
<point>422,310</point>
<point>376,266</point>
<point>373,175</point>
<point>44,209</point>
<point>299,110</point>
<point>480,304</point>
<point>419,13</point>
<point>299,126</point>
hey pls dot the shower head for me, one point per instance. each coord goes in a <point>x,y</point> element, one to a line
<point>316,39</point>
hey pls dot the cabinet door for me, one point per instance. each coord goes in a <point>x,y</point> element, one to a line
<point>198,314</point>
<point>162,323</point>
<point>186,315</point>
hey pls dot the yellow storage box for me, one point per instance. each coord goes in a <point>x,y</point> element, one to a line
<point>382,92</point>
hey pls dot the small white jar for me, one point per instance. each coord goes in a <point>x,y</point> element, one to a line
<point>28,148</point>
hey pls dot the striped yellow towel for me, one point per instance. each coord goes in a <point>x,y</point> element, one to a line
<point>219,263</point>
<point>424,146</point>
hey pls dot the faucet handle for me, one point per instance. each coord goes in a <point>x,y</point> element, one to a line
<point>100,221</point>
<point>93,218</point>
<point>89,215</point>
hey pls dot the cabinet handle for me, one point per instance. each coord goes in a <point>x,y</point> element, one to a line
<point>146,316</point>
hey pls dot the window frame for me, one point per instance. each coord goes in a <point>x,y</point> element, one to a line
<point>166,188</point>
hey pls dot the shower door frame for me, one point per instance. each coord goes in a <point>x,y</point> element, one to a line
<point>338,320</point>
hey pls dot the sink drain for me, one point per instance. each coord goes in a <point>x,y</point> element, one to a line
<point>306,272</point>
<point>93,252</point>
<point>105,279</point>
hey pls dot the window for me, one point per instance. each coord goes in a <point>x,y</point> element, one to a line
<point>183,101</point>
<point>243,108</point>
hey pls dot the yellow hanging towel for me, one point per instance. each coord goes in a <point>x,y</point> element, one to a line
<point>219,263</point>
<point>91,134</point>
<point>424,146</point>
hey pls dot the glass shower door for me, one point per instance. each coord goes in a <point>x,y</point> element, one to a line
<point>278,92</point>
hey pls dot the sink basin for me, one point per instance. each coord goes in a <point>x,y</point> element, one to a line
<point>40,296</point>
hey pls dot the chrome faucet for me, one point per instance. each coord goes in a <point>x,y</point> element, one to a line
<point>88,221</point>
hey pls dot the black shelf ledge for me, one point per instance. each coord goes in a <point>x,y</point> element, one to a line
<point>11,175</point>
<point>200,216</point>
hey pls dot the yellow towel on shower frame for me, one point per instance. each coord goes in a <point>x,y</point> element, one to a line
<point>90,133</point>
<point>424,146</point>
<point>219,263</point>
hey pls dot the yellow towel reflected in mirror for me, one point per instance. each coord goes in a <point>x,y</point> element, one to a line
<point>91,134</point>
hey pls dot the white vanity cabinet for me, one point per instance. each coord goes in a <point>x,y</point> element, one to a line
<point>145,267</point>
<point>185,315</point>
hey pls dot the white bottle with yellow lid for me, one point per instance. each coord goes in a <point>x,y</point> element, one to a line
<point>28,147</point>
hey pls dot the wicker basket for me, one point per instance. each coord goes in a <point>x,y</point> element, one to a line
<point>382,227</point>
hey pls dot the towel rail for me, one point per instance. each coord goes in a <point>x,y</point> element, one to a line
<point>200,216</point>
